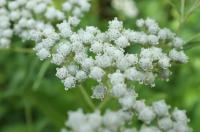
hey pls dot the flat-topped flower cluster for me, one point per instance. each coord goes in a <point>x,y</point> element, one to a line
<point>155,118</point>
<point>102,56</point>
<point>20,16</point>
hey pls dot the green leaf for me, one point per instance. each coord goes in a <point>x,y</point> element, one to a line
<point>191,45</point>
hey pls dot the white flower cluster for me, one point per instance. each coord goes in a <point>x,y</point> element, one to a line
<point>167,121</point>
<point>102,56</point>
<point>5,30</point>
<point>94,122</point>
<point>76,7</point>
<point>25,16</point>
<point>127,7</point>
<point>112,121</point>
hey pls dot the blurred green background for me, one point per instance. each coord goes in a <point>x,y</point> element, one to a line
<point>32,99</point>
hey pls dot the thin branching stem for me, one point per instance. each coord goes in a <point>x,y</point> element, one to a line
<point>103,103</point>
<point>182,11</point>
<point>182,14</point>
<point>192,9</point>
<point>107,98</point>
<point>193,37</point>
<point>87,98</point>
<point>41,74</point>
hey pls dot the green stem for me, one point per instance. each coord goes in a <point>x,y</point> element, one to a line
<point>102,104</point>
<point>107,98</point>
<point>193,8</point>
<point>182,15</point>
<point>191,45</point>
<point>18,50</point>
<point>182,11</point>
<point>194,37</point>
<point>87,98</point>
<point>41,74</point>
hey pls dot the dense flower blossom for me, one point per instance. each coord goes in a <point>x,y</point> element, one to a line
<point>111,121</point>
<point>102,56</point>
<point>20,17</point>
<point>5,31</point>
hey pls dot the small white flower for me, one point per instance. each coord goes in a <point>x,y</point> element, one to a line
<point>180,116</point>
<point>119,90</point>
<point>50,13</point>
<point>122,63</point>
<point>84,4</point>
<point>149,129</point>
<point>165,34</point>
<point>81,75</point>
<point>78,117</point>
<point>146,63</point>
<point>96,47</point>
<point>64,48</point>
<point>95,119</point>
<point>147,115</point>
<point>66,6</point>
<point>73,69</point>
<point>77,12</point>
<point>181,127</point>
<point>153,40</point>
<point>115,24</point>
<point>132,59</point>
<point>122,42</point>
<point>165,123</point>
<point>103,60</point>
<point>132,74</point>
<point>140,22</point>
<point>69,82</point>
<point>112,119</point>
<point>139,105</point>
<point>43,54</point>
<point>2,3</point>
<point>87,63</point>
<point>99,92</point>
<point>127,101</point>
<point>97,73</point>
<point>40,8</point>
<point>57,59</point>
<point>74,21</point>
<point>178,56</point>
<point>178,42</point>
<point>61,72</point>
<point>160,108</point>
<point>164,62</point>
<point>116,78</point>
<point>14,15</point>
<point>65,29</point>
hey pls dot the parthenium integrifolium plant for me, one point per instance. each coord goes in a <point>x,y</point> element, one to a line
<point>19,17</point>
<point>90,53</point>
<point>102,56</point>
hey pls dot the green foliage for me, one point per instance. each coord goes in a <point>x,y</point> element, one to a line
<point>32,99</point>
